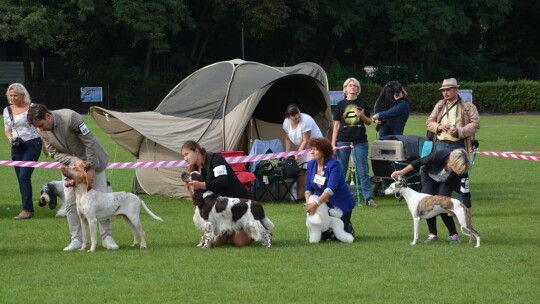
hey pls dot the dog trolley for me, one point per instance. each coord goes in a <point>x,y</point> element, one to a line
<point>391,153</point>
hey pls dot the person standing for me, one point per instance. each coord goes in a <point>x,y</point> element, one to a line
<point>443,172</point>
<point>69,141</point>
<point>454,124</point>
<point>351,116</point>
<point>299,128</point>
<point>453,121</point>
<point>25,143</point>
<point>219,178</point>
<point>392,120</point>
<point>325,179</point>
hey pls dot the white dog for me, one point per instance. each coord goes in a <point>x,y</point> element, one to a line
<point>427,206</point>
<point>94,206</point>
<point>323,219</point>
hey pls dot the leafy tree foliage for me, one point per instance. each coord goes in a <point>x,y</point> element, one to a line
<point>129,41</point>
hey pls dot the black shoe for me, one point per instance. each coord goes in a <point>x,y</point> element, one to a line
<point>328,235</point>
<point>349,229</point>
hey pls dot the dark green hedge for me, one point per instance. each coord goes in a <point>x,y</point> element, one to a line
<point>489,97</point>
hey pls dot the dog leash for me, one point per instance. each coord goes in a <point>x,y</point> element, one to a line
<point>356,181</point>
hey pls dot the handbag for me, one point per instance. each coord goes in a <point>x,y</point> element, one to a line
<point>290,167</point>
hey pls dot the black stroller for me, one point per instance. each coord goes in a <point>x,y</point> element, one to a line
<point>394,152</point>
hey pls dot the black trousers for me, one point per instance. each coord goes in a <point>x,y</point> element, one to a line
<point>432,187</point>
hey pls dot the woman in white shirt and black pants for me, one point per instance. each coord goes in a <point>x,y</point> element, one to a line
<point>299,128</point>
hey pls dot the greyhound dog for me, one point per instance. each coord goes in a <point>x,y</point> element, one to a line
<point>427,206</point>
<point>94,206</point>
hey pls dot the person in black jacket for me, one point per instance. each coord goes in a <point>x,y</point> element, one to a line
<point>443,172</point>
<point>391,115</point>
<point>219,178</point>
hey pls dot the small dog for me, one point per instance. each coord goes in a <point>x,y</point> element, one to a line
<point>427,206</point>
<point>216,215</point>
<point>49,195</point>
<point>54,190</point>
<point>323,219</point>
<point>94,206</point>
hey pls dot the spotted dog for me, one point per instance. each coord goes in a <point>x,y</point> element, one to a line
<point>216,215</point>
<point>427,206</point>
<point>54,190</point>
<point>94,206</point>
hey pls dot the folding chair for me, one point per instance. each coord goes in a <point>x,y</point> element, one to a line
<point>269,174</point>
<point>245,177</point>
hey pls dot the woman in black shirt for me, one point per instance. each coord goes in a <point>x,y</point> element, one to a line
<point>219,178</point>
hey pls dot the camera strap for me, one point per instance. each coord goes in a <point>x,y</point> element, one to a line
<point>10,113</point>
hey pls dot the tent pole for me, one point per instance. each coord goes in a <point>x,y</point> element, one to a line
<point>251,133</point>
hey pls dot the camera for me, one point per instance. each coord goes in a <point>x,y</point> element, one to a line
<point>17,142</point>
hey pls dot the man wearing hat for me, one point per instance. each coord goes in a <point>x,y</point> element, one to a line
<point>454,123</point>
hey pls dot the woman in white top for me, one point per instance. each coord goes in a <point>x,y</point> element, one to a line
<point>24,141</point>
<point>299,128</point>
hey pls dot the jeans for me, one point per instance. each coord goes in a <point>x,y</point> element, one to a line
<point>453,146</point>
<point>74,222</point>
<point>28,152</point>
<point>360,159</point>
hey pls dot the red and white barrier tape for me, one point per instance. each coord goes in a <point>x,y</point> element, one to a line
<point>231,160</point>
<point>510,155</point>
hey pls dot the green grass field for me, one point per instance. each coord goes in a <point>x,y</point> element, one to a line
<point>379,267</point>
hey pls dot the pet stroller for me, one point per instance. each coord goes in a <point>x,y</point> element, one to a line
<point>394,152</point>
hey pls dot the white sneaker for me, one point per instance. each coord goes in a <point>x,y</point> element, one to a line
<point>109,243</point>
<point>74,245</point>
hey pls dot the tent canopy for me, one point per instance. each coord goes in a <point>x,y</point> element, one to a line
<point>215,105</point>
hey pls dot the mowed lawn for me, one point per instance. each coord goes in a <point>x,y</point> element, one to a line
<point>379,267</point>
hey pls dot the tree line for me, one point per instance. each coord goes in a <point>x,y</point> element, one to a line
<point>162,41</point>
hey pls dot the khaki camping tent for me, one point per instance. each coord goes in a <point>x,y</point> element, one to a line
<point>223,106</point>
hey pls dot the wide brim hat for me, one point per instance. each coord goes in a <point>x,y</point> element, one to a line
<point>449,83</point>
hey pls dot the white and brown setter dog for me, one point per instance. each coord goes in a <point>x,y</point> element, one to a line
<point>94,206</point>
<point>217,215</point>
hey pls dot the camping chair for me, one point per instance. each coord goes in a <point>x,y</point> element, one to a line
<point>269,173</point>
<point>244,176</point>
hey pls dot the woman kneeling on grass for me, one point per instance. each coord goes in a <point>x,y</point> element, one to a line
<point>444,171</point>
<point>325,178</point>
<point>219,178</point>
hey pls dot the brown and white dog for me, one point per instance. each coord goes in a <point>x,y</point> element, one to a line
<point>217,215</point>
<point>427,206</point>
<point>94,206</point>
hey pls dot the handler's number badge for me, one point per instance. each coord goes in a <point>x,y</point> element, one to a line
<point>319,180</point>
<point>220,170</point>
<point>84,129</point>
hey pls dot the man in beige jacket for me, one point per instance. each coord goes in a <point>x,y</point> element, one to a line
<point>70,142</point>
<point>453,121</point>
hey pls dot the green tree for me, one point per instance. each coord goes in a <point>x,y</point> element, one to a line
<point>35,25</point>
<point>152,23</point>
